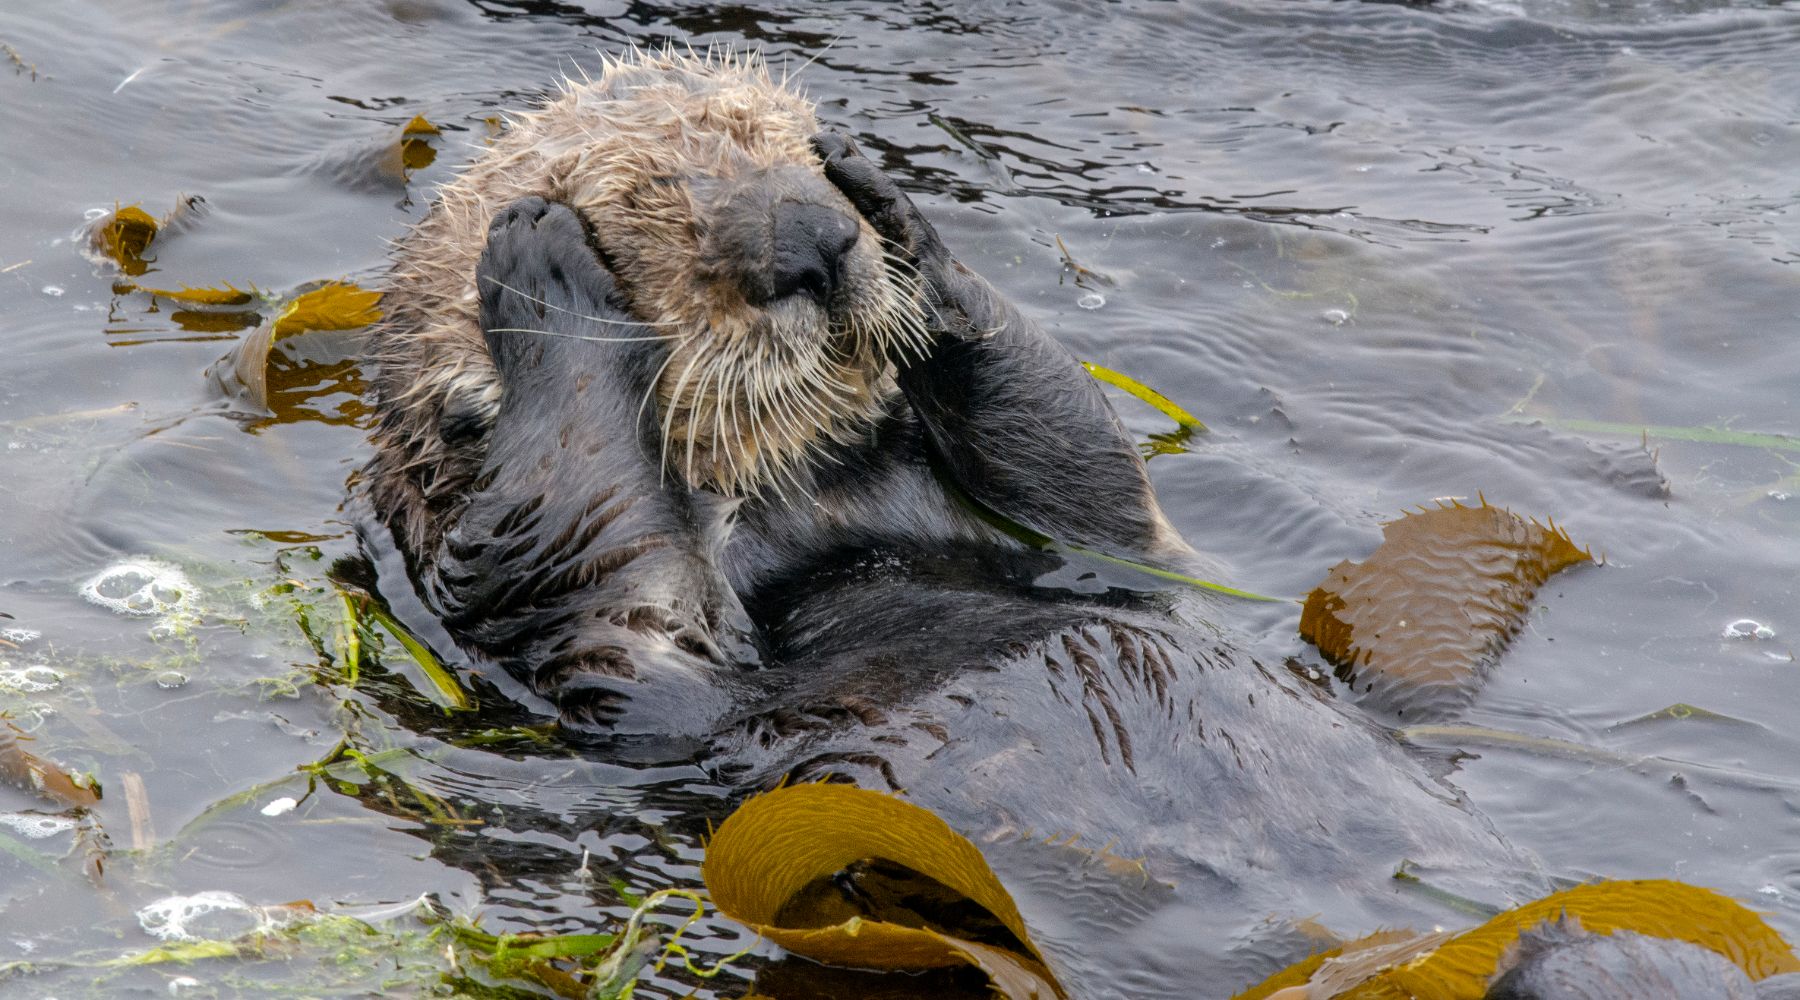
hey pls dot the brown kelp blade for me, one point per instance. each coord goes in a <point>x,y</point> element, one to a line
<point>124,236</point>
<point>1416,626</point>
<point>334,305</point>
<point>1458,966</point>
<point>26,770</point>
<point>772,863</point>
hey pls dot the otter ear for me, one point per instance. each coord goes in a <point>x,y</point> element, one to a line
<point>542,288</point>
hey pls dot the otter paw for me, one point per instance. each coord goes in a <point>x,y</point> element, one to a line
<point>880,200</point>
<point>543,289</point>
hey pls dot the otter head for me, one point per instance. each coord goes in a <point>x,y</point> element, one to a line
<point>781,307</point>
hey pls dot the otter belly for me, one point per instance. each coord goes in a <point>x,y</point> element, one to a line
<point>1024,716</point>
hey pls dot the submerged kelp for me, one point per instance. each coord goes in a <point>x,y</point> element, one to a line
<point>1449,965</point>
<point>416,948</point>
<point>1323,239</point>
<point>1415,627</point>
<point>858,878</point>
<point>348,652</point>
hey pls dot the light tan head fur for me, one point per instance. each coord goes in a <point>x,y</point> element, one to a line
<point>676,161</point>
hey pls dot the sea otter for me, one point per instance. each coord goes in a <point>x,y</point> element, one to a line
<point>689,420</point>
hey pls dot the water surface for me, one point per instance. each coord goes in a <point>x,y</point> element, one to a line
<point>1390,253</point>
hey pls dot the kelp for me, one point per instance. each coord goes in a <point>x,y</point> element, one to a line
<point>1458,965</point>
<point>1173,442</point>
<point>773,865</point>
<point>1083,274</point>
<point>1460,737</point>
<point>1416,626</point>
<point>1701,435</point>
<point>416,151</point>
<point>344,624</point>
<point>417,949</point>
<point>1164,404</point>
<point>223,295</point>
<point>332,305</point>
<point>18,62</point>
<point>26,770</point>
<point>123,236</point>
<point>1027,535</point>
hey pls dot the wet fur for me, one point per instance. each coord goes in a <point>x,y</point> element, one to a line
<point>674,160</point>
<point>861,623</point>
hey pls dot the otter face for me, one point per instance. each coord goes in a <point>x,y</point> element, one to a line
<point>781,305</point>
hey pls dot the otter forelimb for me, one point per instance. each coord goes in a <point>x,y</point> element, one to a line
<point>1012,415</point>
<point>574,564</point>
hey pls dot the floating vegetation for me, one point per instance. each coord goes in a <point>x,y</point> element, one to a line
<point>1167,406</point>
<point>1703,435</point>
<point>779,864</point>
<point>34,679</point>
<point>123,236</point>
<point>224,295</point>
<point>1446,965</point>
<point>346,627</point>
<point>334,305</point>
<point>1028,535</point>
<point>18,62</point>
<point>416,151</point>
<point>416,949</point>
<point>1169,443</point>
<point>1084,276</point>
<point>1416,626</point>
<point>23,769</point>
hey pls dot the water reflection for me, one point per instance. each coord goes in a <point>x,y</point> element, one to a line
<point>1388,253</point>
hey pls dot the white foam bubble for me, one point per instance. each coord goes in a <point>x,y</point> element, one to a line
<point>34,679</point>
<point>1091,300</point>
<point>172,917</point>
<point>215,915</point>
<point>36,826</point>
<point>141,588</point>
<point>1748,628</point>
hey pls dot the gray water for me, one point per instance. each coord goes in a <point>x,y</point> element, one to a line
<point>1536,251</point>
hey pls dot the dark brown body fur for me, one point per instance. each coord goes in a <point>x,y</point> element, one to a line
<point>864,623</point>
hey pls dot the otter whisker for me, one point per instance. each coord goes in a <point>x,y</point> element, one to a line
<point>675,405</point>
<point>527,296</point>
<point>719,402</point>
<point>577,336</point>
<point>737,432</point>
<point>693,421</point>
<point>650,393</point>
<point>786,76</point>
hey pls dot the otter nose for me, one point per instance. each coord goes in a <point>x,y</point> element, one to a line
<point>811,244</point>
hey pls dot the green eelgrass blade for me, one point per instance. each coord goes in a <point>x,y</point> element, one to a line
<point>1119,379</point>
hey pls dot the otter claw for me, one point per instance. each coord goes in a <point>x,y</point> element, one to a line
<point>961,305</point>
<point>879,199</point>
<point>542,286</point>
